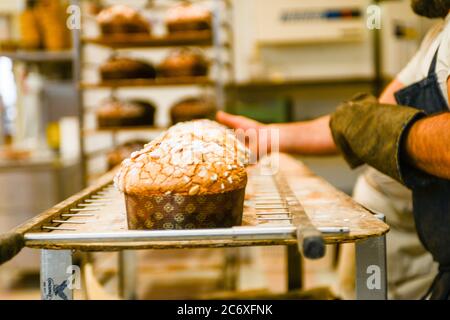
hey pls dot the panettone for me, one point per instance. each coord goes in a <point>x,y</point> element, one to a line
<point>183,180</point>
<point>116,156</point>
<point>122,20</point>
<point>185,17</point>
<point>211,131</point>
<point>192,109</point>
<point>117,113</point>
<point>117,68</point>
<point>183,62</point>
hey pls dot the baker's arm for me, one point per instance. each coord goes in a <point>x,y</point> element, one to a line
<point>306,137</point>
<point>428,145</point>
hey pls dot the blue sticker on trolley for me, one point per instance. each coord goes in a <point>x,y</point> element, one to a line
<point>52,290</point>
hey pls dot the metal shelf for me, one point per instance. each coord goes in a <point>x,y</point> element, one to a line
<point>158,82</point>
<point>153,130</point>
<point>263,83</point>
<point>39,56</point>
<point>198,38</point>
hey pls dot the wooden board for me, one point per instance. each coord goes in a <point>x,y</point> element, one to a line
<point>326,206</point>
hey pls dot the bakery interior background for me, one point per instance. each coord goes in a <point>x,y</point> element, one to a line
<point>274,61</point>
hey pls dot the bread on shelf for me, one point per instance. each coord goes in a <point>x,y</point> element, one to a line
<point>122,20</point>
<point>30,36</point>
<point>192,108</point>
<point>187,17</point>
<point>184,180</point>
<point>118,113</point>
<point>120,153</point>
<point>184,62</point>
<point>118,68</point>
<point>43,26</point>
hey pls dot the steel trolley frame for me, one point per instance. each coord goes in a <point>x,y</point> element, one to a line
<point>95,220</point>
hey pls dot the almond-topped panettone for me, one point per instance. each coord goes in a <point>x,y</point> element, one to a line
<point>192,108</point>
<point>185,17</point>
<point>184,62</point>
<point>117,68</point>
<point>182,180</point>
<point>211,131</point>
<point>118,113</point>
<point>121,19</point>
<point>120,153</point>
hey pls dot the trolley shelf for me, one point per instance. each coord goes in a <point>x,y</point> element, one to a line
<point>95,219</point>
<point>158,82</point>
<point>146,129</point>
<point>196,38</point>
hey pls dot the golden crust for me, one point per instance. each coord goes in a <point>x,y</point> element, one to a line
<point>192,158</point>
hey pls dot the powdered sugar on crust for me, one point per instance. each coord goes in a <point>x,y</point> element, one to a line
<point>200,157</point>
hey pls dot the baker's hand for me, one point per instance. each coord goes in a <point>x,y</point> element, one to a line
<point>255,137</point>
<point>237,122</point>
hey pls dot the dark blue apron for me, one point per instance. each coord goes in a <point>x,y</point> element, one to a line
<point>431,195</point>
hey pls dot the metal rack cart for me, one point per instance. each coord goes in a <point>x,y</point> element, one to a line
<point>219,40</point>
<point>95,220</point>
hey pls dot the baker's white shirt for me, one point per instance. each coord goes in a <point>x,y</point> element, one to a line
<point>417,69</point>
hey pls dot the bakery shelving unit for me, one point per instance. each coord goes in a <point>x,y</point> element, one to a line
<point>219,40</point>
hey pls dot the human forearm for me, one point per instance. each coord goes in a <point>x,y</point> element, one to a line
<point>428,145</point>
<point>307,137</point>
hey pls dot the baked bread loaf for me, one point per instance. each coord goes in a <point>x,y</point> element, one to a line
<point>116,156</point>
<point>183,180</point>
<point>116,113</point>
<point>30,36</point>
<point>52,19</point>
<point>184,62</point>
<point>43,26</point>
<point>192,109</point>
<point>211,131</point>
<point>122,20</point>
<point>117,68</point>
<point>185,17</point>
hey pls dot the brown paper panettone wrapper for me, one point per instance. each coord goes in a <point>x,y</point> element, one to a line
<point>175,212</point>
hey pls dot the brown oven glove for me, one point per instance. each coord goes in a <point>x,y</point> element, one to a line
<point>366,131</point>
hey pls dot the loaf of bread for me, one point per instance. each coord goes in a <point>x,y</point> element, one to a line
<point>192,108</point>
<point>118,113</point>
<point>120,153</point>
<point>52,18</point>
<point>30,37</point>
<point>122,20</point>
<point>185,17</point>
<point>184,62</point>
<point>192,176</point>
<point>117,68</point>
